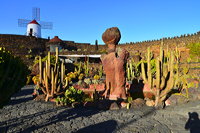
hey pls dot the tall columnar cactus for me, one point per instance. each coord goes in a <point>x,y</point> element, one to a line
<point>131,69</point>
<point>163,81</point>
<point>147,75</point>
<point>40,70</point>
<point>101,71</point>
<point>51,77</point>
<point>86,67</point>
<point>79,68</point>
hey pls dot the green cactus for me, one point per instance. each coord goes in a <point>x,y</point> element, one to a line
<point>132,71</point>
<point>86,68</point>
<point>147,75</point>
<point>101,71</point>
<point>51,77</point>
<point>162,84</point>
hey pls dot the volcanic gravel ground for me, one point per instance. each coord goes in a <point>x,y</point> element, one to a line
<point>25,115</point>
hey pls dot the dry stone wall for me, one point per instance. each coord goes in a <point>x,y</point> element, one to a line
<point>27,47</point>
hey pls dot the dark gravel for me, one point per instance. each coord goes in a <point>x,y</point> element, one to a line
<point>25,115</point>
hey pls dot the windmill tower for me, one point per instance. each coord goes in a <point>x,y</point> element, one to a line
<point>34,26</point>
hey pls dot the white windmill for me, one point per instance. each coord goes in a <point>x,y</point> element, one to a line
<point>34,26</point>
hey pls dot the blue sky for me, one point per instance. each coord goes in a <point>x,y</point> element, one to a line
<point>85,20</point>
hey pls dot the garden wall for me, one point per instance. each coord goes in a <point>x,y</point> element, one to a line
<point>28,47</point>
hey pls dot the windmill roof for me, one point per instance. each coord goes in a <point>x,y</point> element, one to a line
<point>34,22</point>
<point>55,39</point>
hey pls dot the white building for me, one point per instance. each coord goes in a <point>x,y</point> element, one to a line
<point>34,29</point>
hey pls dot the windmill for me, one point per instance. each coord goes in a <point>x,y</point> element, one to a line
<point>34,26</point>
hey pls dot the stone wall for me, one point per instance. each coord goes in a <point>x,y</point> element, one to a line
<point>27,47</point>
<point>24,46</point>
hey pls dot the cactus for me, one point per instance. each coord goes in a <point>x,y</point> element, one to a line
<point>51,77</point>
<point>147,78</point>
<point>132,71</point>
<point>164,77</point>
<point>62,72</point>
<point>40,70</point>
<point>128,74</point>
<point>86,68</point>
<point>101,71</point>
<point>79,68</point>
<point>177,55</point>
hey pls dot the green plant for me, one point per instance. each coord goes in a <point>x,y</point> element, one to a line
<point>81,76</point>
<point>132,70</point>
<point>61,101</point>
<point>129,100</point>
<point>28,81</point>
<point>194,50</point>
<point>51,77</point>
<point>163,82</point>
<point>86,67</point>
<point>182,83</point>
<point>78,67</point>
<point>29,56</point>
<point>87,81</point>
<point>103,51</point>
<point>101,71</point>
<point>74,95</point>
<point>71,95</point>
<point>96,79</point>
<point>79,82</point>
<point>52,59</point>
<point>13,74</point>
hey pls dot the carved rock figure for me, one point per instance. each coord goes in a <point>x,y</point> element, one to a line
<point>114,64</point>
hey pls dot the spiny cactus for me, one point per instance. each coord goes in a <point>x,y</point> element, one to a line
<point>51,77</point>
<point>163,82</point>
<point>132,70</point>
<point>86,68</point>
<point>101,71</point>
<point>147,78</point>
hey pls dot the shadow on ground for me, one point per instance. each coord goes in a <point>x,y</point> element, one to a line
<point>110,126</point>
<point>66,115</point>
<point>193,122</point>
<point>21,96</point>
<point>103,127</point>
<point>47,117</point>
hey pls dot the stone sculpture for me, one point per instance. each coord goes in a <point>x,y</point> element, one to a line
<point>114,65</point>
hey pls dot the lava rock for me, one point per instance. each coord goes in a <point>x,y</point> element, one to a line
<point>138,103</point>
<point>114,106</point>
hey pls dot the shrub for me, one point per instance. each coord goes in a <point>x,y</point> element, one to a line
<point>13,75</point>
<point>194,50</point>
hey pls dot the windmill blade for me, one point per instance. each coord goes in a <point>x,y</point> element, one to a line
<point>23,22</point>
<point>46,25</point>
<point>36,13</point>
